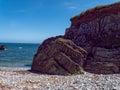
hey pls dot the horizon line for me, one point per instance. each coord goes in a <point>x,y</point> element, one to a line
<point>22,42</point>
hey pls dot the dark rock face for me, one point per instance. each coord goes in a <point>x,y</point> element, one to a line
<point>59,56</point>
<point>98,27</point>
<point>102,68</point>
<point>98,32</point>
<point>91,43</point>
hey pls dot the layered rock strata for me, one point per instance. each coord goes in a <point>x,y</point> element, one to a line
<point>92,42</point>
<point>98,32</point>
<point>59,56</point>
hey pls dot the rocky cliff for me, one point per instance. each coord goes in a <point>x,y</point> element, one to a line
<point>97,31</point>
<point>96,27</point>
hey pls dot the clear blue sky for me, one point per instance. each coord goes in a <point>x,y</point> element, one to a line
<point>36,20</point>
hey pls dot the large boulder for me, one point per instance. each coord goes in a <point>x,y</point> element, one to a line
<point>98,32</point>
<point>59,56</point>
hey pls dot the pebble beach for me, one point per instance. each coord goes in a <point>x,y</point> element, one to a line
<point>23,79</point>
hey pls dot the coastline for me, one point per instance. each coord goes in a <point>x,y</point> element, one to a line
<point>21,79</point>
<point>14,68</point>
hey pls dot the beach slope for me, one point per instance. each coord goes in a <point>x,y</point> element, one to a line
<point>23,79</point>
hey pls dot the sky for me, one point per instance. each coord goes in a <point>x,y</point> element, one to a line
<point>32,21</point>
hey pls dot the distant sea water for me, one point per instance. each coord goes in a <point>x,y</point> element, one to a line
<point>18,54</point>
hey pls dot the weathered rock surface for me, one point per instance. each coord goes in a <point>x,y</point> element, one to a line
<point>104,61</point>
<point>98,32</point>
<point>102,68</point>
<point>98,27</point>
<point>59,56</point>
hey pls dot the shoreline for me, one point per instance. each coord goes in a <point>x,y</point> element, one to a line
<point>14,68</point>
<point>18,78</point>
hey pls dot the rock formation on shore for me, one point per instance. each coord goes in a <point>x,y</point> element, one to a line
<point>59,56</point>
<point>3,47</point>
<point>97,32</point>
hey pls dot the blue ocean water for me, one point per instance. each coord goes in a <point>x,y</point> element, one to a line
<point>18,54</point>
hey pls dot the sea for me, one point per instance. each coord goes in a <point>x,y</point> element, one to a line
<point>18,54</point>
